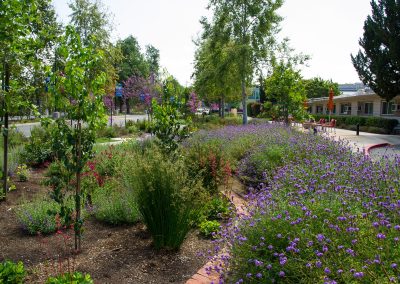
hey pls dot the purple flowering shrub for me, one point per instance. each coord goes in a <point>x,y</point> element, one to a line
<point>327,215</point>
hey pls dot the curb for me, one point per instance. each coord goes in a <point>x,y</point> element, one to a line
<point>373,146</point>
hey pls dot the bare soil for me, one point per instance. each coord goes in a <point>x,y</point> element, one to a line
<point>122,254</point>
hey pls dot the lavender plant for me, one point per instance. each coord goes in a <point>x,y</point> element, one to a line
<point>328,215</point>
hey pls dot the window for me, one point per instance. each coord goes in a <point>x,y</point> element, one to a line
<point>368,108</point>
<point>345,108</point>
<point>320,109</point>
<point>387,108</point>
<point>365,108</point>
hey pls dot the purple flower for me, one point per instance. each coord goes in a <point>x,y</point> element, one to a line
<point>358,275</point>
<point>327,270</point>
<point>381,236</point>
<point>281,274</point>
<point>320,237</point>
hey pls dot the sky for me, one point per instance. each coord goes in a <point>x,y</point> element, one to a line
<point>327,30</point>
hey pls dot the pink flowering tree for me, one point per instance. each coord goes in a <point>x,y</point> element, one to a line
<point>140,91</point>
<point>193,103</point>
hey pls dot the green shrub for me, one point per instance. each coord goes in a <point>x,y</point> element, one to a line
<point>22,173</point>
<point>39,148</point>
<point>12,273</point>
<point>344,121</point>
<point>166,197</point>
<point>15,138</point>
<point>34,217</point>
<point>216,209</point>
<point>143,125</point>
<point>266,160</point>
<point>377,130</point>
<point>354,120</point>
<point>14,157</point>
<point>209,228</point>
<point>114,204</point>
<point>208,162</point>
<point>69,278</point>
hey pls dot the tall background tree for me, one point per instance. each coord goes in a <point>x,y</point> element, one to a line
<point>216,72</point>
<point>378,64</point>
<point>93,24</point>
<point>319,88</point>
<point>251,25</point>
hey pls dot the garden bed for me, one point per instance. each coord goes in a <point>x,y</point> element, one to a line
<point>122,254</point>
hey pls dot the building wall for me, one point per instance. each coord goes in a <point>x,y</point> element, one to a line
<point>377,107</point>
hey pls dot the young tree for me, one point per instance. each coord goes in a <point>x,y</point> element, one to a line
<point>251,26</point>
<point>81,87</point>
<point>378,65</point>
<point>285,86</point>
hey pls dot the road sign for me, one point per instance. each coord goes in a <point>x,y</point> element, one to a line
<point>118,91</point>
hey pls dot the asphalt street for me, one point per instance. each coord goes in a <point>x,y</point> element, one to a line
<point>25,128</point>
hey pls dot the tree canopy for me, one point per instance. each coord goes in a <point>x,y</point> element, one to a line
<point>378,63</point>
<point>286,87</point>
<point>250,26</point>
<point>319,88</point>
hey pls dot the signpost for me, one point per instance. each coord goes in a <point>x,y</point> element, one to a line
<point>118,94</point>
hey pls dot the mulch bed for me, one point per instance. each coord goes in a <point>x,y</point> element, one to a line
<point>122,254</point>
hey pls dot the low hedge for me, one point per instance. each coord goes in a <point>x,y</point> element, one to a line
<point>372,124</point>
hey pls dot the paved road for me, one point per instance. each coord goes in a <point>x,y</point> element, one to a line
<point>26,128</point>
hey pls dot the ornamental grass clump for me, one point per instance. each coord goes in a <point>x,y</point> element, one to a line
<point>167,198</point>
<point>114,204</point>
<point>328,216</point>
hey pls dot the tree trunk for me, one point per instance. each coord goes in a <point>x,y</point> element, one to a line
<point>244,102</point>
<point>5,130</point>
<point>78,222</point>
<point>128,108</point>
<point>222,107</point>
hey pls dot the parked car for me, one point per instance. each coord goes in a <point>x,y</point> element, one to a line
<point>202,110</point>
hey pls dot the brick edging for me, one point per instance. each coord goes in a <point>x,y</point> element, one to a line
<point>203,275</point>
<point>373,146</point>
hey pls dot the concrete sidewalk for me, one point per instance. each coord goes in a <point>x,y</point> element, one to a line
<point>364,140</point>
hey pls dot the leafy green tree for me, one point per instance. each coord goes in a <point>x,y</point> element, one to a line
<point>81,87</point>
<point>152,57</point>
<point>93,24</point>
<point>285,87</point>
<point>319,88</point>
<point>378,65</point>
<point>251,26</point>
<point>134,62</point>
<point>216,72</point>
<point>26,29</point>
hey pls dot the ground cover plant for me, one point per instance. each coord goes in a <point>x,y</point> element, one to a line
<point>328,215</point>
